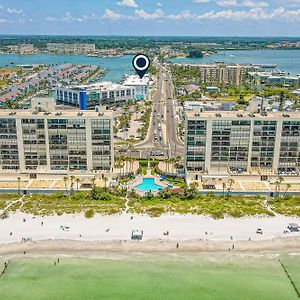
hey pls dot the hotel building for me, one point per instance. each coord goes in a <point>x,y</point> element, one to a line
<point>242,143</point>
<point>35,142</point>
<point>70,48</point>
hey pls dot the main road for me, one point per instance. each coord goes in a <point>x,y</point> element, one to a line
<point>162,138</point>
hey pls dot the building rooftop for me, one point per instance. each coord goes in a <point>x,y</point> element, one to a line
<point>136,80</point>
<point>241,114</point>
<point>56,114</point>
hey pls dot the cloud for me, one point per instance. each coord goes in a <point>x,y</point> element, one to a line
<point>184,15</point>
<point>128,3</point>
<point>69,18</point>
<point>159,4</point>
<point>5,21</point>
<point>227,3</point>
<point>12,10</point>
<point>114,16</point>
<point>158,13</point>
<point>201,1</point>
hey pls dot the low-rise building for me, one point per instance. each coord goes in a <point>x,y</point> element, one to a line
<point>140,85</point>
<point>90,96</point>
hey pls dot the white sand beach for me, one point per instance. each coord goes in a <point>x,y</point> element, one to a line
<point>194,233</point>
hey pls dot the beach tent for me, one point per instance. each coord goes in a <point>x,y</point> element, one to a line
<point>137,235</point>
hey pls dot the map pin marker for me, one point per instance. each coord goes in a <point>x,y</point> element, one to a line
<point>141,64</point>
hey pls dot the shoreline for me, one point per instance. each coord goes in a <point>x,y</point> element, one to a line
<point>289,245</point>
<point>112,233</point>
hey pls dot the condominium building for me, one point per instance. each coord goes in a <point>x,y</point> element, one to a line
<point>219,73</point>
<point>239,142</point>
<point>33,142</point>
<point>70,48</point>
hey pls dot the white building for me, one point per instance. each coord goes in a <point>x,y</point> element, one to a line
<point>71,48</point>
<point>103,93</point>
<point>89,96</point>
<point>141,86</point>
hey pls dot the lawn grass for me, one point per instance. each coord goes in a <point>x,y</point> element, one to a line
<point>288,205</point>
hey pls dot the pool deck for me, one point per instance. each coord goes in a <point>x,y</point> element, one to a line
<point>139,179</point>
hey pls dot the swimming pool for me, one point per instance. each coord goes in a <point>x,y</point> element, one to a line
<point>148,184</point>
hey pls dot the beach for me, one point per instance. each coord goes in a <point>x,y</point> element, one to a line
<point>72,257</point>
<point>75,233</point>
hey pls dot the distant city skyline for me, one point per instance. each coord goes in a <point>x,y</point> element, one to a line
<point>147,17</point>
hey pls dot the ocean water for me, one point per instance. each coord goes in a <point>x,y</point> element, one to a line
<point>286,60</point>
<point>165,277</point>
<point>117,66</point>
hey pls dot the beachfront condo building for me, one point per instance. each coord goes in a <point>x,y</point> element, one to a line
<point>71,48</point>
<point>36,142</point>
<point>103,93</point>
<point>228,142</point>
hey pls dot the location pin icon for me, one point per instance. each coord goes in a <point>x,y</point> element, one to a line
<point>141,64</point>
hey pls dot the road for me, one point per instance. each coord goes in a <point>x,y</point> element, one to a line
<point>162,136</point>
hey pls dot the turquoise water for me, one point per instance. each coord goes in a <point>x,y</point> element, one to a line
<point>117,66</point>
<point>155,277</point>
<point>286,60</point>
<point>148,184</point>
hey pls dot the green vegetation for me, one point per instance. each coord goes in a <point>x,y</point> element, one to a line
<point>146,121</point>
<point>6,199</point>
<point>112,201</point>
<point>288,205</point>
<point>190,202</point>
<point>99,200</point>
<point>177,181</point>
<point>89,213</point>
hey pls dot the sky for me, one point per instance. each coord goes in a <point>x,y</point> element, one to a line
<point>151,17</point>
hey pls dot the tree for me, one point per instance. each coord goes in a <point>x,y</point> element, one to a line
<point>224,188</point>
<point>230,182</point>
<point>65,179</point>
<point>77,183</point>
<point>19,180</point>
<point>288,186</point>
<point>278,184</point>
<point>105,181</point>
<point>72,183</point>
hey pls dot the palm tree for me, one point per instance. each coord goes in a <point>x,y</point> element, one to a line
<point>230,182</point>
<point>288,186</point>
<point>77,183</point>
<point>93,180</point>
<point>65,179</point>
<point>19,180</point>
<point>105,181</point>
<point>224,187</point>
<point>278,183</point>
<point>72,183</point>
